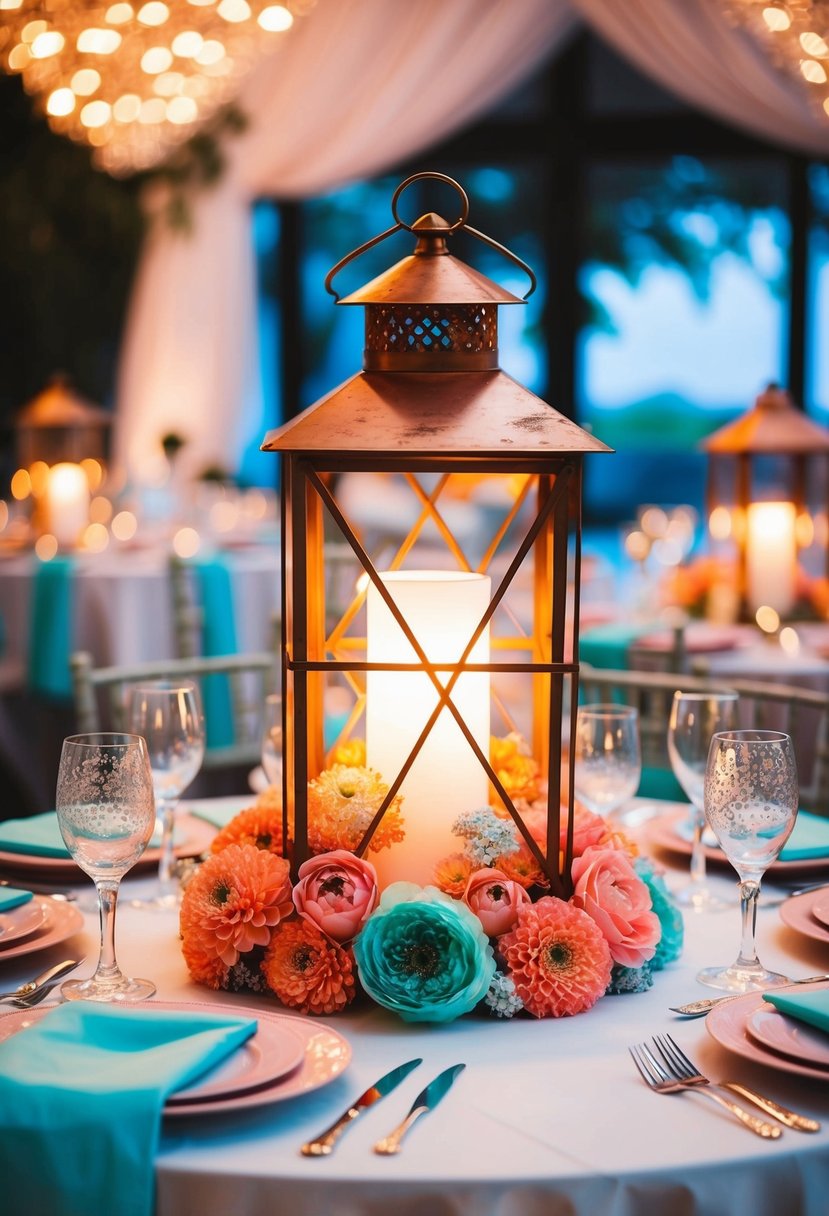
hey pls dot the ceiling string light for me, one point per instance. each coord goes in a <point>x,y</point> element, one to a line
<point>797,35</point>
<point>135,80</point>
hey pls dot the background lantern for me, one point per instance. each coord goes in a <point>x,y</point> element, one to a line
<point>766,495</point>
<point>61,442</point>
<point>459,632</point>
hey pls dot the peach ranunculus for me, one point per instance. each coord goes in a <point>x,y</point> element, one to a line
<point>608,888</point>
<point>336,892</point>
<point>495,900</point>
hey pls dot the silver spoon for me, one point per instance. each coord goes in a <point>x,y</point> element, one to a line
<point>698,1009</point>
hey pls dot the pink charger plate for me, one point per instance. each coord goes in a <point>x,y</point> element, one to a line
<point>798,913</point>
<point>729,1025</point>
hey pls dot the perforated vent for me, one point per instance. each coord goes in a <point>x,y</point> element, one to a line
<point>455,329</point>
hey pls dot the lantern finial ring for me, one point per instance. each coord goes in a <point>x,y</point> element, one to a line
<point>438,177</point>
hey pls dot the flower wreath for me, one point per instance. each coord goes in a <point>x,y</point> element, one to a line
<point>485,934</point>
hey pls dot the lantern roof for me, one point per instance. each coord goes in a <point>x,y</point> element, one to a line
<point>431,275</point>
<point>59,406</point>
<point>773,426</point>
<point>432,414</point>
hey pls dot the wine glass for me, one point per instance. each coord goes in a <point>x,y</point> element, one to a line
<point>272,739</point>
<point>751,796</point>
<point>168,714</point>
<point>106,814</point>
<point>695,717</point>
<point>607,756</point>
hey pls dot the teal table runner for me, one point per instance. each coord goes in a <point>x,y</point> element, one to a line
<point>51,626</point>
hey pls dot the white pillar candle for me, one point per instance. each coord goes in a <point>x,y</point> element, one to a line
<point>443,610</point>
<point>67,503</point>
<point>771,556</point>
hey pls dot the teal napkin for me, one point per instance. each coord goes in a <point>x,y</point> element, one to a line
<point>218,638</point>
<point>660,783</point>
<point>81,1096</point>
<point>607,645</point>
<point>50,636</point>
<point>809,1007</point>
<point>11,897</point>
<point>38,835</point>
<point>221,811</point>
<point>809,839</point>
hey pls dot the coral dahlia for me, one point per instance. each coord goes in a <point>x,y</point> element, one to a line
<point>557,958</point>
<point>306,971</point>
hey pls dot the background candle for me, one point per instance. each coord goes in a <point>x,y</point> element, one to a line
<point>67,502</point>
<point>771,556</point>
<point>443,610</point>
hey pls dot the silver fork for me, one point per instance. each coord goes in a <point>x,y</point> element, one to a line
<point>655,1076</point>
<point>682,1069</point>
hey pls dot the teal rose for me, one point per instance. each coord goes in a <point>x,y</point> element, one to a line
<point>670,917</point>
<point>423,955</point>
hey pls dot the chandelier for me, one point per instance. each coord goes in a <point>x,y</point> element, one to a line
<point>136,79</point>
<point>796,32</point>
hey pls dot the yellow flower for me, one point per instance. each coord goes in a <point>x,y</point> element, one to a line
<point>515,768</point>
<point>342,802</point>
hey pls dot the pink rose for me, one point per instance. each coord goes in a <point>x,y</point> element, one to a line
<point>336,891</point>
<point>588,829</point>
<point>608,888</point>
<point>495,900</point>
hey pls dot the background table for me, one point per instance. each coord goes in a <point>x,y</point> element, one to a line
<point>549,1116</point>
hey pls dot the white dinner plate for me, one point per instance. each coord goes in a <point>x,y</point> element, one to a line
<point>63,920</point>
<point>22,921</point>
<point>789,1037</point>
<point>253,1075</point>
<point>728,1025</point>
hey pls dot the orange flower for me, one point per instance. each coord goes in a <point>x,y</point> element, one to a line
<point>259,825</point>
<point>231,905</point>
<point>522,867</point>
<point>557,958</point>
<point>306,971</point>
<point>452,874</point>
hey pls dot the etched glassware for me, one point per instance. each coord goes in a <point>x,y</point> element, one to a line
<point>751,797</point>
<point>106,813</point>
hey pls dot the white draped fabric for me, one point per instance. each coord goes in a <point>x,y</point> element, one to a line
<point>358,86</point>
<point>691,50</point>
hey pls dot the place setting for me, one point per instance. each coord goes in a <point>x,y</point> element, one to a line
<point>31,922</point>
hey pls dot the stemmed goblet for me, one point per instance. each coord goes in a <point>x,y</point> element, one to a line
<point>168,715</point>
<point>695,717</point>
<point>607,756</point>
<point>106,813</point>
<point>751,797</point>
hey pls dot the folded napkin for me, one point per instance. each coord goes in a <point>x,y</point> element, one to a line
<point>607,645</point>
<point>81,1096</point>
<point>809,839</point>
<point>810,1007</point>
<point>11,897</point>
<point>38,835</point>
<point>50,639</point>
<point>218,638</point>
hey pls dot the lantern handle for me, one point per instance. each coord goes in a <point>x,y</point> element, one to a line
<point>459,223</point>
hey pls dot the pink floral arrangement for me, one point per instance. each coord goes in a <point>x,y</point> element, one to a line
<point>488,933</point>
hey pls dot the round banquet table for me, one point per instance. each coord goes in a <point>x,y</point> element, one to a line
<point>549,1116</point>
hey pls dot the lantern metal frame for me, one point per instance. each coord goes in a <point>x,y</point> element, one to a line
<point>459,416</point>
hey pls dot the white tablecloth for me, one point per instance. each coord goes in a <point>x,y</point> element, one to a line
<point>123,611</point>
<point>548,1118</point>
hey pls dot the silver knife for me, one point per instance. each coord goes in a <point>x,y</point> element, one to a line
<point>323,1144</point>
<point>51,973</point>
<point>426,1100</point>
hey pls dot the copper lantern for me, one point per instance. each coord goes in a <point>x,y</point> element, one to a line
<point>768,473</point>
<point>430,562</point>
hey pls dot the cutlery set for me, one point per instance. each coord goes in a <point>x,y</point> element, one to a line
<point>37,989</point>
<point>666,1069</point>
<point>426,1100</point>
